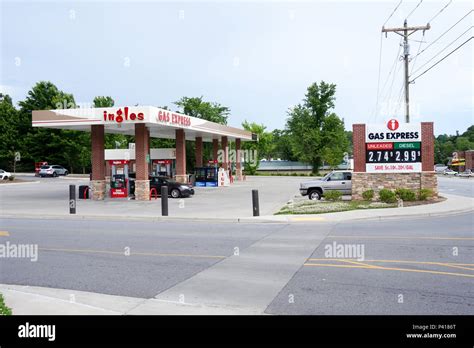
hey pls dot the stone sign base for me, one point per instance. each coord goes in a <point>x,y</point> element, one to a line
<point>376,181</point>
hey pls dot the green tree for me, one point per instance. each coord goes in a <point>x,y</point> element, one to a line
<point>103,102</point>
<point>334,140</point>
<point>196,107</point>
<point>263,148</point>
<point>469,133</point>
<point>311,138</point>
<point>264,144</point>
<point>281,147</point>
<point>10,137</point>
<point>64,147</point>
<point>463,144</point>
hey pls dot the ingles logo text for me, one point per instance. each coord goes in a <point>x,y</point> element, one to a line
<point>121,116</point>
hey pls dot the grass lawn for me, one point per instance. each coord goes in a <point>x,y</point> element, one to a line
<point>320,207</point>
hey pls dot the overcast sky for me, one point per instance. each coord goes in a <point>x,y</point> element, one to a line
<point>256,57</point>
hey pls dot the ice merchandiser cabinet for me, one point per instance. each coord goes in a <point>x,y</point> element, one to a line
<point>206,176</point>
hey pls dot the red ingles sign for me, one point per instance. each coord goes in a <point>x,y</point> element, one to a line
<point>119,116</point>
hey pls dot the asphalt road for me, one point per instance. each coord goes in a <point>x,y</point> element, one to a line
<point>276,268</point>
<point>408,268</point>
<point>456,186</point>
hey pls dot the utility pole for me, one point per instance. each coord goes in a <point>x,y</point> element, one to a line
<point>405,32</point>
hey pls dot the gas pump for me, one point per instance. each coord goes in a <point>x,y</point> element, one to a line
<point>207,176</point>
<point>119,187</point>
<point>162,167</point>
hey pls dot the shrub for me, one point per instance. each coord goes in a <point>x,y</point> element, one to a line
<point>368,195</point>
<point>250,169</point>
<point>387,196</point>
<point>4,310</point>
<point>11,178</point>
<point>294,174</point>
<point>424,194</point>
<point>405,194</point>
<point>333,195</point>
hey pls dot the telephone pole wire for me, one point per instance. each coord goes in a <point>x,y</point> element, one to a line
<point>405,32</point>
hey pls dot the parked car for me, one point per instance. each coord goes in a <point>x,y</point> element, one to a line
<point>338,180</point>
<point>175,189</point>
<point>449,172</point>
<point>467,173</point>
<point>52,170</point>
<point>440,168</point>
<point>38,166</point>
<point>4,174</point>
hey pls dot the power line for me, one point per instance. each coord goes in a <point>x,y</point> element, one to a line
<point>439,37</point>
<point>384,92</point>
<point>395,63</point>
<point>439,61</point>
<point>393,12</point>
<point>437,54</point>
<point>378,79</point>
<point>406,31</point>
<point>414,59</point>
<point>414,9</point>
<point>393,81</point>
<point>399,99</point>
<point>439,12</point>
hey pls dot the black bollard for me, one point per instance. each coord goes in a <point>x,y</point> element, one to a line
<point>72,199</point>
<point>164,200</point>
<point>255,205</point>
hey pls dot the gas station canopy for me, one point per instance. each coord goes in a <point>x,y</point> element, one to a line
<point>122,120</point>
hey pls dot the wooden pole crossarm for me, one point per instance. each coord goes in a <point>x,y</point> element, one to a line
<point>402,29</point>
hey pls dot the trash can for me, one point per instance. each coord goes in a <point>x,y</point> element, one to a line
<point>83,192</point>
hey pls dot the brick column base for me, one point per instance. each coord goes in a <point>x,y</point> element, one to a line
<point>98,190</point>
<point>182,178</point>
<point>142,190</point>
<point>238,174</point>
<point>429,180</point>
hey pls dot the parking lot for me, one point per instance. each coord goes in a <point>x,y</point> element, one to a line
<point>49,196</point>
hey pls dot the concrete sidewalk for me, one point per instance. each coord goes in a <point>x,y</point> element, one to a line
<point>452,205</point>
<point>33,300</point>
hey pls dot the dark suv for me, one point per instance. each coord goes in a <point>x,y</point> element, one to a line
<point>175,189</point>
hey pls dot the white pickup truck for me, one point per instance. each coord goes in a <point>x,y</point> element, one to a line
<point>339,180</point>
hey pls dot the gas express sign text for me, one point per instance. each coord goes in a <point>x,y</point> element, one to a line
<point>393,148</point>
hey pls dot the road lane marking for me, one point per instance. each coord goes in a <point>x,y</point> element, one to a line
<point>401,237</point>
<point>456,266</point>
<point>401,261</point>
<point>360,264</point>
<point>133,254</point>
<point>390,269</point>
<point>4,234</point>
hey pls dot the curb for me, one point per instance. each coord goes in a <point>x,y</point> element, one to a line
<point>142,218</point>
<point>261,219</point>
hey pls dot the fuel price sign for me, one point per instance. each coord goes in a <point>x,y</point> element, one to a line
<point>394,148</point>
